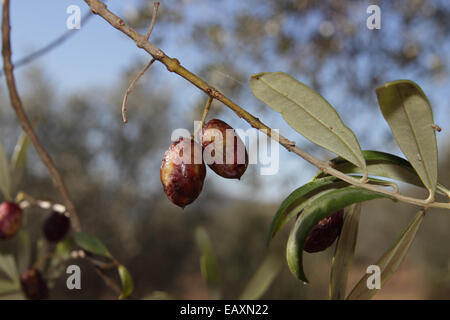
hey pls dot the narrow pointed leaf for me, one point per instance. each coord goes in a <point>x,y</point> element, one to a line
<point>7,287</point>
<point>296,201</point>
<point>408,112</point>
<point>5,175</point>
<point>322,207</point>
<point>262,279</point>
<point>8,267</point>
<point>383,164</point>
<point>91,244</point>
<point>19,158</point>
<point>208,263</point>
<point>345,250</point>
<point>391,259</point>
<point>308,113</point>
<point>127,282</point>
<point>302,197</point>
<point>24,254</point>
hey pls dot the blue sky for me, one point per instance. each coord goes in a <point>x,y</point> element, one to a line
<point>95,54</point>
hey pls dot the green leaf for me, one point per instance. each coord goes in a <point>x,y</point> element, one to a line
<point>308,113</point>
<point>322,207</point>
<point>24,254</point>
<point>302,197</point>
<point>7,287</point>
<point>391,259</point>
<point>65,247</point>
<point>19,158</point>
<point>382,164</point>
<point>158,295</point>
<point>345,250</point>
<point>91,244</point>
<point>296,201</point>
<point>5,175</point>
<point>13,296</point>
<point>126,280</point>
<point>208,263</point>
<point>262,279</point>
<point>408,112</point>
<point>8,267</point>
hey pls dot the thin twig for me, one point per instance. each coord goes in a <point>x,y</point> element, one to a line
<point>109,282</point>
<point>125,98</point>
<point>16,103</point>
<point>147,36</point>
<point>152,24</point>
<point>173,65</point>
<point>101,264</point>
<point>205,112</point>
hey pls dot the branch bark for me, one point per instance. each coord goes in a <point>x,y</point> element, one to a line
<point>16,104</point>
<point>173,65</point>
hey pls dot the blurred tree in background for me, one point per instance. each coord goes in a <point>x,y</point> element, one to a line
<point>112,169</point>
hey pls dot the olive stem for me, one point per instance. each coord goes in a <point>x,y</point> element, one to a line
<point>133,83</point>
<point>25,122</point>
<point>152,24</point>
<point>173,65</point>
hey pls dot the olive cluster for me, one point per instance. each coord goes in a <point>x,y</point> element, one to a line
<point>183,169</point>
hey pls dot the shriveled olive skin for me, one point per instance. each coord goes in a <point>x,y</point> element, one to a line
<point>10,219</point>
<point>324,233</point>
<point>33,285</point>
<point>182,172</point>
<point>56,226</point>
<point>217,129</point>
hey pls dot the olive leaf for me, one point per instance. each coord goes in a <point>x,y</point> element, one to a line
<point>24,252</point>
<point>296,201</point>
<point>391,259</point>
<point>208,263</point>
<point>383,164</point>
<point>8,287</point>
<point>408,113</point>
<point>19,158</point>
<point>91,244</point>
<point>323,206</point>
<point>308,113</point>
<point>262,279</point>
<point>126,280</point>
<point>5,175</point>
<point>344,252</point>
<point>302,197</point>
<point>8,267</point>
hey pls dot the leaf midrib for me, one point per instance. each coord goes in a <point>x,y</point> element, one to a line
<point>415,137</point>
<point>319,121</point>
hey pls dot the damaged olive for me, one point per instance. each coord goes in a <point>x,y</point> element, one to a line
<point>324,233</point>
<point>10,219</point>
<point>224,151</point>
<point>33,285</point>
<point>182,171</point>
